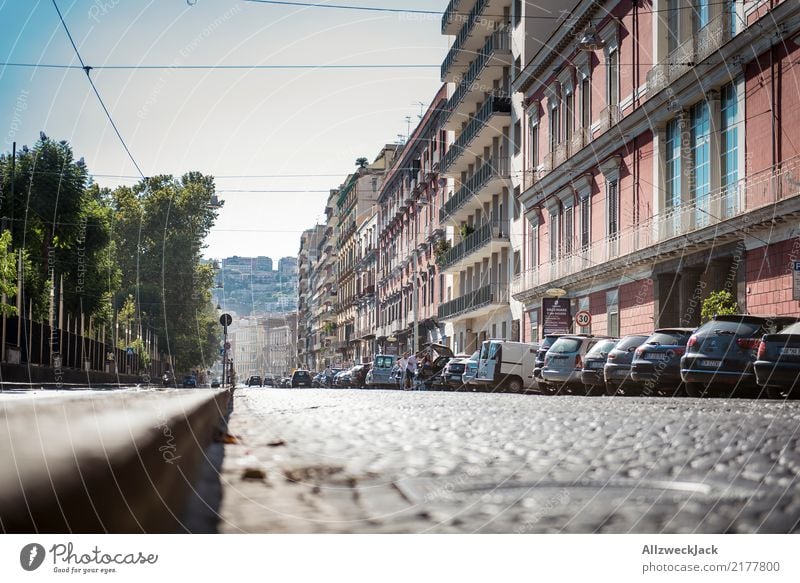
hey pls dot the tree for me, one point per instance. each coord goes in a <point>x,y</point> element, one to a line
<point>362,162</point>
<point>718,303</point>
<point>8,274</point>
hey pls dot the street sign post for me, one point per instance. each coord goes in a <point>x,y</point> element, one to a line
<point>583,318</point>
<point>557,318</point>
<point>225,320</point>
<point>796,281</point>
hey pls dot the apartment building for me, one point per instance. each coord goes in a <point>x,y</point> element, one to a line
<point>306,323</point>
<point>483,217</point>
<point>410,285</point>
<point>355,202</point>
<point>324,291</point>
<point>366,320</point>
<point>660,160</point>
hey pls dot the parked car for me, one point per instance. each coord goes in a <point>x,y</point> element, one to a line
<point>617,370</point>
<point>254,381</point>
<point>268,381</point>
<point>438,355</point>
<point>453,372</point>
<point>470,371</point>
<point>359,375</point>
<point>215,383</point>
<point>721,353</point>
<point>544,346</point>
<point>189,381</point>
<point>317,380</point>
<point>342,379</point>
<point>301,378</point>
<point>563,364</point>
<point>777,364</point>
<point>505,364</point>
<point>656,364</point>
<point>380,373</point>
<point>593,363</point>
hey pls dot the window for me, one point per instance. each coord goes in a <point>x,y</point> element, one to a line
<point>553,237</point>
<point>700,14</point>
<point>729,147</point>
<point>673,24</point>
<point>673,174</point>
<point>517,137</point>
<point>586,224</point>
<point>555,128</point>
<point>504,330</point>
<point>612,308</point>
<point>534,317</point>
<point>533,152</point>
<point>700,148</point>
<point>568,230</point>
<point>586,103</point>
<point>569,116</point>
<point>517,262</point>
<point>612,196</point>
<point>517,12</point>
<point>533,247</point>
<point>612,84</point>
<point>517,204</point>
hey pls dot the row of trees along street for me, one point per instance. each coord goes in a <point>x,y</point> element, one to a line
<point>125,263</point>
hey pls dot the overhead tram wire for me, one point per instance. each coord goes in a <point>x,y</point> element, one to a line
<point>560,16</point>
<point>88,70</point>
<point>287,67</point>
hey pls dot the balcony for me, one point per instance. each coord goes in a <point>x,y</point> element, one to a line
<point>490,175</point>
<point>764,198</point>
<point>609,117</point>
<point>455,15</point>
<point>467,42</point>
<point>479,78</point>
<point>367,292</point>
<point>696,49</point>
<point>487,239</point>
<point>477,303</point>
<point>478,133</point>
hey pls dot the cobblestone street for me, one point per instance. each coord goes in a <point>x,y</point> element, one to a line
<point>387,461</point>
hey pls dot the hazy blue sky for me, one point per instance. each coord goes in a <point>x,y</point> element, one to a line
<point>221,122</point>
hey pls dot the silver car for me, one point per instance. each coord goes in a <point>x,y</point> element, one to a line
<point>563,364</point>
<point>470,370</point>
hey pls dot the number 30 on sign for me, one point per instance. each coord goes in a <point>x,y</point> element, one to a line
<point>583,318</point>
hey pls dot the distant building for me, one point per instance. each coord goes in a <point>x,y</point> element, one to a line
<point>287,266</point>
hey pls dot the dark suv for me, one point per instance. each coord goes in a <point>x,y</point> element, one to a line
<point>720,354</point>
<point>656,365</point>
<point>617,370</point>
<point>301,378</point>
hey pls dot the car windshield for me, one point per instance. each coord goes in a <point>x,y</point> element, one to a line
<point>547,342</point>
<point>602,347</point>
<point>475,355</point>
<point>384,361</point>
<point>675,337</point>
<point>746,328</point>
<point>791,329</point>
<point>565,345</point>
<point>630,342</point>
<point>301,373</point>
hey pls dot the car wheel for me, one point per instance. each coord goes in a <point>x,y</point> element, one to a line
<point>515,385</point>
<point>695,390</point>
<point>611,389</point>
<point>775,393</point>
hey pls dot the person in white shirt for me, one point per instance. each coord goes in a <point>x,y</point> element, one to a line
<point>400,365</point>
<point>411,370</point>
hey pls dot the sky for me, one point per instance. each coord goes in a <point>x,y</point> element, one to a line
<point>277,140</point>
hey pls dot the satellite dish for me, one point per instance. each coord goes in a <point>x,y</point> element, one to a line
<point>555,292</point>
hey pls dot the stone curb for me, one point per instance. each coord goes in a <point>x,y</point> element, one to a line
<point>119,462</point>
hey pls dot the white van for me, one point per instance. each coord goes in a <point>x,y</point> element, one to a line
<point>508,365</point>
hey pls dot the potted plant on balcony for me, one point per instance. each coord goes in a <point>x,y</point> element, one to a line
<point>440,249</point>
<point>466,230</point>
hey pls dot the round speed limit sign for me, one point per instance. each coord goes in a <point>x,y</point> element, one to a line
<point>583,318</point>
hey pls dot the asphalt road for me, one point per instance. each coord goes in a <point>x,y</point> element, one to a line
<point>392,461</point>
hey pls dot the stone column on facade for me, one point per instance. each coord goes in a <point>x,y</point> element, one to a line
<point>692,293</point>
<point>666,299</point>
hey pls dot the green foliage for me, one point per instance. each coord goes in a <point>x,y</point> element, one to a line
<point>718,303</point>
<point>8,274</point>
<point>466,230</point>
<point>442,246</point>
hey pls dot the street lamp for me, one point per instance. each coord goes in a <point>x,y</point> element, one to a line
<point>225,320</point>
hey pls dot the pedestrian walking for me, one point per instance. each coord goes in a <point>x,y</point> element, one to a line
<point>411,371</point>
<point>401,368</point>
